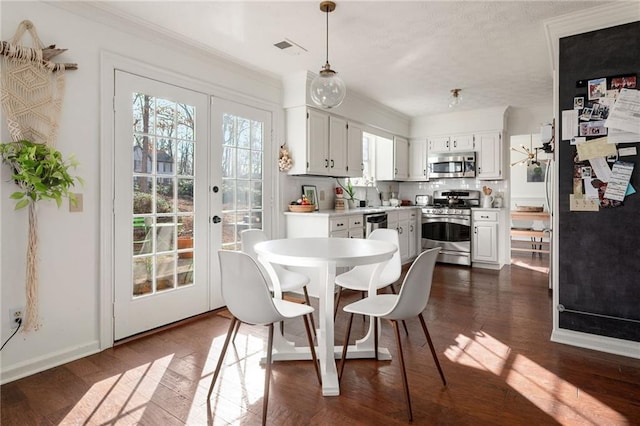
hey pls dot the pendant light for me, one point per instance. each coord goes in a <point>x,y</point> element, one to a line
<point>456,98</point>
<point>327,89</point>
<point>531,157</point>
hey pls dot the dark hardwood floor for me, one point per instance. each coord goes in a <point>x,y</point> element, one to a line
<point>491,331</point>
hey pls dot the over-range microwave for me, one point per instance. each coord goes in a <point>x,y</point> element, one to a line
<point>452,165</point>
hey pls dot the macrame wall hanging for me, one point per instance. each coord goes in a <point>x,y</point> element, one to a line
<point>31,90</point>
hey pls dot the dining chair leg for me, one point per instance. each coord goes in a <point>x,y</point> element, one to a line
<point>404,324</point>
<point>306,299</point>
<point>402,367</point>
<point>433,350</point>
<point>313,349</point>
<point>267,377</point>
<point>337,302</point>
<point>235,331</point>
<point>344,348</point>
<point>375,336</point>
<point>222,354</point>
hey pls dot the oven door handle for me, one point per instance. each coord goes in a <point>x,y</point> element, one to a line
<point>448,219</point>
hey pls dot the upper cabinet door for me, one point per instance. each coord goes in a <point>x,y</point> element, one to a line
<point>337,146</point>
<point>355,166</point>
<point>317,142</point>
<point>461,143</point>
<point>401,158</point>
<point>489,158</point>
<point>438,144</point>
<point>418,160</point>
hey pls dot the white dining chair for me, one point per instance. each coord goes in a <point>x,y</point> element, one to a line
<point>245,291</point>
<point>357,279</point>
<point>411,301</point>
<point>289,280</point>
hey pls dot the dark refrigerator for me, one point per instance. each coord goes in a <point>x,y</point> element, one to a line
<point>598,251</point>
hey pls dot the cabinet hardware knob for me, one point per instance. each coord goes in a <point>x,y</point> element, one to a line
<point>216,219</point>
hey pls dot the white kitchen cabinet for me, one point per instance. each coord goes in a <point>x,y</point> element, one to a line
<point>318,142</point>
<point>454,143</point>
<point>392,159</point>
<point>313,225</point>
<point>355,166</point>
<point>414,232</point>
<point>485,236</point>
<point>405,222</point>
<point>418,160</point>
<point>489,157</point>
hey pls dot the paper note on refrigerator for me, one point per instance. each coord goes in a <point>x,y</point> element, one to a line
<point>625,113</point>
<point>569,124</point>
<point>595,148</point>
<point>601,167</point>
<point>619,182</point>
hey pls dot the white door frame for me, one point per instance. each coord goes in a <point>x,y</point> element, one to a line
<point>109,62</point>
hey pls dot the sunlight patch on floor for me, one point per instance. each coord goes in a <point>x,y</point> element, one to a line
<point>120,396</point>
<point>561,400</point>
<point>481,352</point>
<point>240,383</point>
<point>523,263</point>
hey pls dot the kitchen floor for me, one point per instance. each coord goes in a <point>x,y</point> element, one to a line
<point>491,332</point>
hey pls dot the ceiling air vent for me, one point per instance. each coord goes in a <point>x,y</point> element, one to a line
<point>290,48</point>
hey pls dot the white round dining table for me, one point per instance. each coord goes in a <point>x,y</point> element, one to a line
<point>326,254</point>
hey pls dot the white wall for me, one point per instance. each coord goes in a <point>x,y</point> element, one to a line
<point>70,242</point>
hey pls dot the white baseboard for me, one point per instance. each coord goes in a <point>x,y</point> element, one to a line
<point>32,366</point>
<point>598,343</point>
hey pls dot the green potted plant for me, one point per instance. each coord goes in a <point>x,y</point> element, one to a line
<point>40,171</point>
<point>42,174</point>
<point>349,191</point>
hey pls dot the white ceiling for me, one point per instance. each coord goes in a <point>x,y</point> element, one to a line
<point>407,55</point>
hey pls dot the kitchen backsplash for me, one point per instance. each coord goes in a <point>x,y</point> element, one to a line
<point>292,189</point>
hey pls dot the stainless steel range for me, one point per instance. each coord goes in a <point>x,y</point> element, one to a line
<point>447,224</point>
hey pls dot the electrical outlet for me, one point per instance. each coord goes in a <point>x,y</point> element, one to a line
<point>14,315</point>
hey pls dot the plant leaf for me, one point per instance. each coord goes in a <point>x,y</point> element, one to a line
<point>22,204</point>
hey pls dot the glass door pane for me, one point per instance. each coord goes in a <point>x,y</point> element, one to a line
<point>242,178</point>
<point>163,164</point>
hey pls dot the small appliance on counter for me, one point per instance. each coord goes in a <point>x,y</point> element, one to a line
<point>423,200</point>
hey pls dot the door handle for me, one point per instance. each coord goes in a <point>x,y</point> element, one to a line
<point>216,219</point>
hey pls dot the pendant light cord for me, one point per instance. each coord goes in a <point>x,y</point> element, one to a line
<point>327,33</point>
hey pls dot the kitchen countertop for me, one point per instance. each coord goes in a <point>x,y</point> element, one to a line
<point>357,210</point>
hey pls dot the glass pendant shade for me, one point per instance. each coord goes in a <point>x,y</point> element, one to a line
<point>455,98</point>
<point>328,89</point>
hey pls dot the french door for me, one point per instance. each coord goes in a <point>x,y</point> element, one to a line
<point>161,253</point>
<point>241,147</point>
<point>190,175</point>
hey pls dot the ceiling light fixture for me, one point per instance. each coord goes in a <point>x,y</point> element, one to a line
<point>456,98</point>
<point>327,89</point>
<point>531,157</point>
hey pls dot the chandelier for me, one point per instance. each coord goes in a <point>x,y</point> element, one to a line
<point>531,157</point>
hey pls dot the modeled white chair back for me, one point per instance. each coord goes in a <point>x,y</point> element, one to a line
<point>393,269</point>
<point>414,293</point>
<point>249,238</point>
<point>245,289</point>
